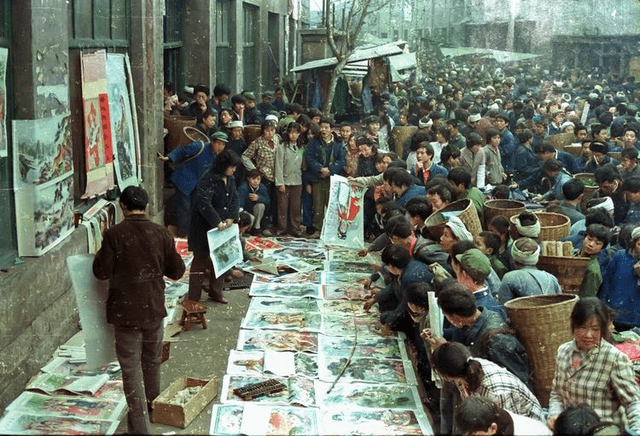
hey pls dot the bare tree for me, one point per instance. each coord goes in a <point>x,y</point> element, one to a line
<point>353,15</point>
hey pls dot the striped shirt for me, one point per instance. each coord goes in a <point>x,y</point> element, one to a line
<point>603,379</point>
<point>508,391</point>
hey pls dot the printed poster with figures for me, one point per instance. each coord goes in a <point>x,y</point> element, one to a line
<point>343,221</point>
<point>97,124</point>
<point>4,142</point>
<point>122,130</point>
<point>43,178</point>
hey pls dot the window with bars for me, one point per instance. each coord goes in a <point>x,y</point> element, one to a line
<point>223,41</point>
<point>99,23</point>
<point>173,22</point>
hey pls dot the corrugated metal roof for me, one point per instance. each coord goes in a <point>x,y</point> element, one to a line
<point>499,55</point>
<point>358,55</point>
<point>403,61</point>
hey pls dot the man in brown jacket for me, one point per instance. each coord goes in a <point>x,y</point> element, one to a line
<point>135,256</point>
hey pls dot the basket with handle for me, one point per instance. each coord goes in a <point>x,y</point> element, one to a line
<point>542,324</point>
<point>463,209</point>
<point>553,226</point>
<point>176,136</point>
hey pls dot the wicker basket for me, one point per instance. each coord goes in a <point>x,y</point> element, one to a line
<point>588,190</point>
<point>506,208</point>
<point>252,132</point>
<point>399,136</point>
<point>175,125</point>
<point>468,215</point>
<point>559,140</point>
<point>195,135</point>
<point>553,226</point>
<point>542,323</point>
<point>568,270</point>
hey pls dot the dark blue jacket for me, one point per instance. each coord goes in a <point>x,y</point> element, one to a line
<point>192,168</point>
<point>411,192</point>
<point>243,196</point>
<point>526,166</point>
<point>319,155</point>
<point>434,170</point>
<point>507,147</point>
<point>212,201</point>
<point>620,288</point>
<point>485,342</point>
<point>398,319</point>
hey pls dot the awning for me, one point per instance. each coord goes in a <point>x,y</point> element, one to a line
<point>356,56</point>
<point>499,55</point>
<point>403,61</point>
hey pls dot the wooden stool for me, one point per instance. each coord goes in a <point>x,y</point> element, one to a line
<point>192,312</point>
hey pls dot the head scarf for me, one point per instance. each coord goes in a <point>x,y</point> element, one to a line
<point>458,229</point>
<point>525,257</point>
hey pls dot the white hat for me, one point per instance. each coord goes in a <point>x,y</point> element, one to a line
<point>271,118</point>
<point>235,123</point>
<point>474,117</point>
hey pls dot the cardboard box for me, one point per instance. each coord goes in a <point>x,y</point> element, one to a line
<point>181,416</point>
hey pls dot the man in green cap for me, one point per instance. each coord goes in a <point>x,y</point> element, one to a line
<point>193,160</point>
<point>251,113</point>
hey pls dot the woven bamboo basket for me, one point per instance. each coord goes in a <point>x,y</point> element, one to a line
<point>588,190</point>
<point>574,149</point>
<point>399,136</point>
<point>468,215</point>
<point>559,140</point>
<point>195,135</point>
<point>553,226</point>
<point>506,208</point>
<point>568,270</point>
<point>175,125</point>
<point>542,323</point>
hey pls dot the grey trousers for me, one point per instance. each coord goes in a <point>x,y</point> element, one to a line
<point>139,351</point>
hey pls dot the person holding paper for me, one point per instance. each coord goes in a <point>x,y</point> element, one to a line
<point>215,204</point>
<point>134,257</point>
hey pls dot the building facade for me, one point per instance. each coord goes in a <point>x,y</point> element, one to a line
<point>244,44</point>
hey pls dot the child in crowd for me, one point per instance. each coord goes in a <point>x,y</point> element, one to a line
<point>489,243</point>
<point>289,158</point>
<point>596,239</point>
<point>254,199</point>
<point>500,226</point>
<point>631,190</point>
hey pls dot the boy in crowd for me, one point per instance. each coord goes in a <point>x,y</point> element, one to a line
<point>631,190</point>
<point>629,163</point>
<point>253,198</point>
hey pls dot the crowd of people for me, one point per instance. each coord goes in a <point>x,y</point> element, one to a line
<point>478,135</point>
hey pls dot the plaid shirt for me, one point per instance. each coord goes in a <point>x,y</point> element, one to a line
<point>508,391</point>
<point>262,156</point>
<point>604,380</point>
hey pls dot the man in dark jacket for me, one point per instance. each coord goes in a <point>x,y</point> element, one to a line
<point>134,257</point>
<point>325,156</point>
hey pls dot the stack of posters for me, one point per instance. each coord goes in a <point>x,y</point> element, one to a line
<point>68,398</point>
<point>309,331</point>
